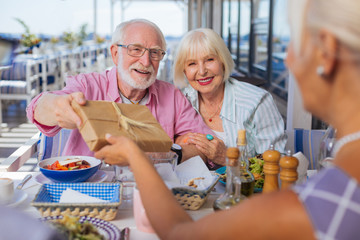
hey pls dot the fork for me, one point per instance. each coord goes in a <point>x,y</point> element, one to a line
<point>125,234</point>
<point>26,178</point>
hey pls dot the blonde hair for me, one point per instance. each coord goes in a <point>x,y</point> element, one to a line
<point>340,17</point>
<point>119,33</point>
<point>196,42</point>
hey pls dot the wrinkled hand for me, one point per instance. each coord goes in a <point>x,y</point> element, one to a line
<point>64,113</point>
<point>214,150</point>
<point>120,151</point>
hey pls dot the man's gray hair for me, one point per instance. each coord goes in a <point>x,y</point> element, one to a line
<point>119,33</point>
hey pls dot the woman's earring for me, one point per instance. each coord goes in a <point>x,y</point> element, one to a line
<point>320,70</point>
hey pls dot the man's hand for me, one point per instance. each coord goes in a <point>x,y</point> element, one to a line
<point>54,110</point>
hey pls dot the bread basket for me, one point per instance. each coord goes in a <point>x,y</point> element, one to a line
<point>191,198</point>
<point>47,199</point>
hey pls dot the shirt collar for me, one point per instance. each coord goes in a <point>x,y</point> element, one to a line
<point>229,108</point>
<point>193,96</point>
<point>153,93</point>
<point>113,91</point>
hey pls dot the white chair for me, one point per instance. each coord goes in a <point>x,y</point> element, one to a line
<point>50,73</point>
<point>15,86</point>
<point>307,142</point>
<point>40,146</point>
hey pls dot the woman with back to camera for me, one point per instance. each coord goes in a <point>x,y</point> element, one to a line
<point>204,63</point>
<point>324,57</point>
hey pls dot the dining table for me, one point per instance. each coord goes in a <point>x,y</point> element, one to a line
<point>124,217</point>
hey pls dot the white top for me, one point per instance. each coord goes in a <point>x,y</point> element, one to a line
<point>141,102</point>
<point>221,135</point>
<point>248,107</point>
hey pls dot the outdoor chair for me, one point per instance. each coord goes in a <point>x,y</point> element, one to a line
<point>20,82</point>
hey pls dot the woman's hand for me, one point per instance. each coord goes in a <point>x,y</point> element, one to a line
<point>214,150</point>
<point>120,151</point>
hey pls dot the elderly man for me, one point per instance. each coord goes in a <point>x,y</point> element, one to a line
<point>137,49</point>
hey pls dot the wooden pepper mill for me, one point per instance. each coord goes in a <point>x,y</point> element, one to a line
<point>288,173</point>
<point>271,169</point>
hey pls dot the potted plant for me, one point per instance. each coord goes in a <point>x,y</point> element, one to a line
<point>69,38</point>
<point>28,39</point>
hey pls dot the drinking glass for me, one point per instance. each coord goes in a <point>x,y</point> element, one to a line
<point>126,177</point>
<point>325,158</point>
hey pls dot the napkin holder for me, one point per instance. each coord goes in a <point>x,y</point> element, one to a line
<point>47,199</point>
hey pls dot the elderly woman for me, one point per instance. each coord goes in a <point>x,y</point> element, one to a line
<point>324,57</point>
<point>204,63</point>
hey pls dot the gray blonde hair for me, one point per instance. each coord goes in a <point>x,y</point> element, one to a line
<point>195,42</point>
<point>340,17</point>
<point>119,33</point>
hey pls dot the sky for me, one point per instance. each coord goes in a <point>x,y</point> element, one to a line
<point>53,17</point>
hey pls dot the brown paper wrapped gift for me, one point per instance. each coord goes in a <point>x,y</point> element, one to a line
<point>133,121</point>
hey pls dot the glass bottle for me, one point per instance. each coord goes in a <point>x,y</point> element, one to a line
<point>327,144</point>
<point>232,194</point>
<point>246,177</point>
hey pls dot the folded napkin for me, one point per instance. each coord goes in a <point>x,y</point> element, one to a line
<point>302,167</point>
<point>72,196</point>
<point>194,169</point>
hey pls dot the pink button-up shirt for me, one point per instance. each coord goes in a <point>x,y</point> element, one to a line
<point>169,106</point>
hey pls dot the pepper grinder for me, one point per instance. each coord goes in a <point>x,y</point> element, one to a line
<point>271,169</point>
<point>288,173</point>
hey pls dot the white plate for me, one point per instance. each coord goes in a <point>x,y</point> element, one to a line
<point>99,176</point>
<point>19,197</point>
<point>107,229</point>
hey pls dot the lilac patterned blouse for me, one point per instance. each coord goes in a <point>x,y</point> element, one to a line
<point>332,201</point>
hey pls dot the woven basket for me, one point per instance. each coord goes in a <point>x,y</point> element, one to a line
<point>192,199</point>
<point>47,200</point>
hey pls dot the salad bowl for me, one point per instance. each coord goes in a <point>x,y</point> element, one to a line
<point>53,170</point>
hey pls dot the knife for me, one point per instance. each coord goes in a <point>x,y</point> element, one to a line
<point>125,234</point>
<point>26,178</point>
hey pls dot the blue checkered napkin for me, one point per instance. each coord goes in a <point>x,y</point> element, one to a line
<point>51,192</point>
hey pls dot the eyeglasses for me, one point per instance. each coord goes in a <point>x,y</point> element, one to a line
<point>137,51</point>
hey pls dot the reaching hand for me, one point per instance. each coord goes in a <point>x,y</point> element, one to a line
<point>120,151</point>
<point>214,150</point>
<point>64,113</point>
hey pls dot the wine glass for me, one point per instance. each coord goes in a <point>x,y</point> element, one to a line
<point>325,158</point>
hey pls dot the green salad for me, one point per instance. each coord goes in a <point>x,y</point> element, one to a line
<point>70,227</point>
<point>256,165</point>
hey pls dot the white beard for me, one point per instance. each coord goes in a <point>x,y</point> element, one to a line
<point>142,82</point>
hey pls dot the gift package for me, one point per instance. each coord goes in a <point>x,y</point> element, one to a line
<point>130,120</point>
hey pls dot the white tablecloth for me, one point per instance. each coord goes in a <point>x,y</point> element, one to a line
<point>124,218</point>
